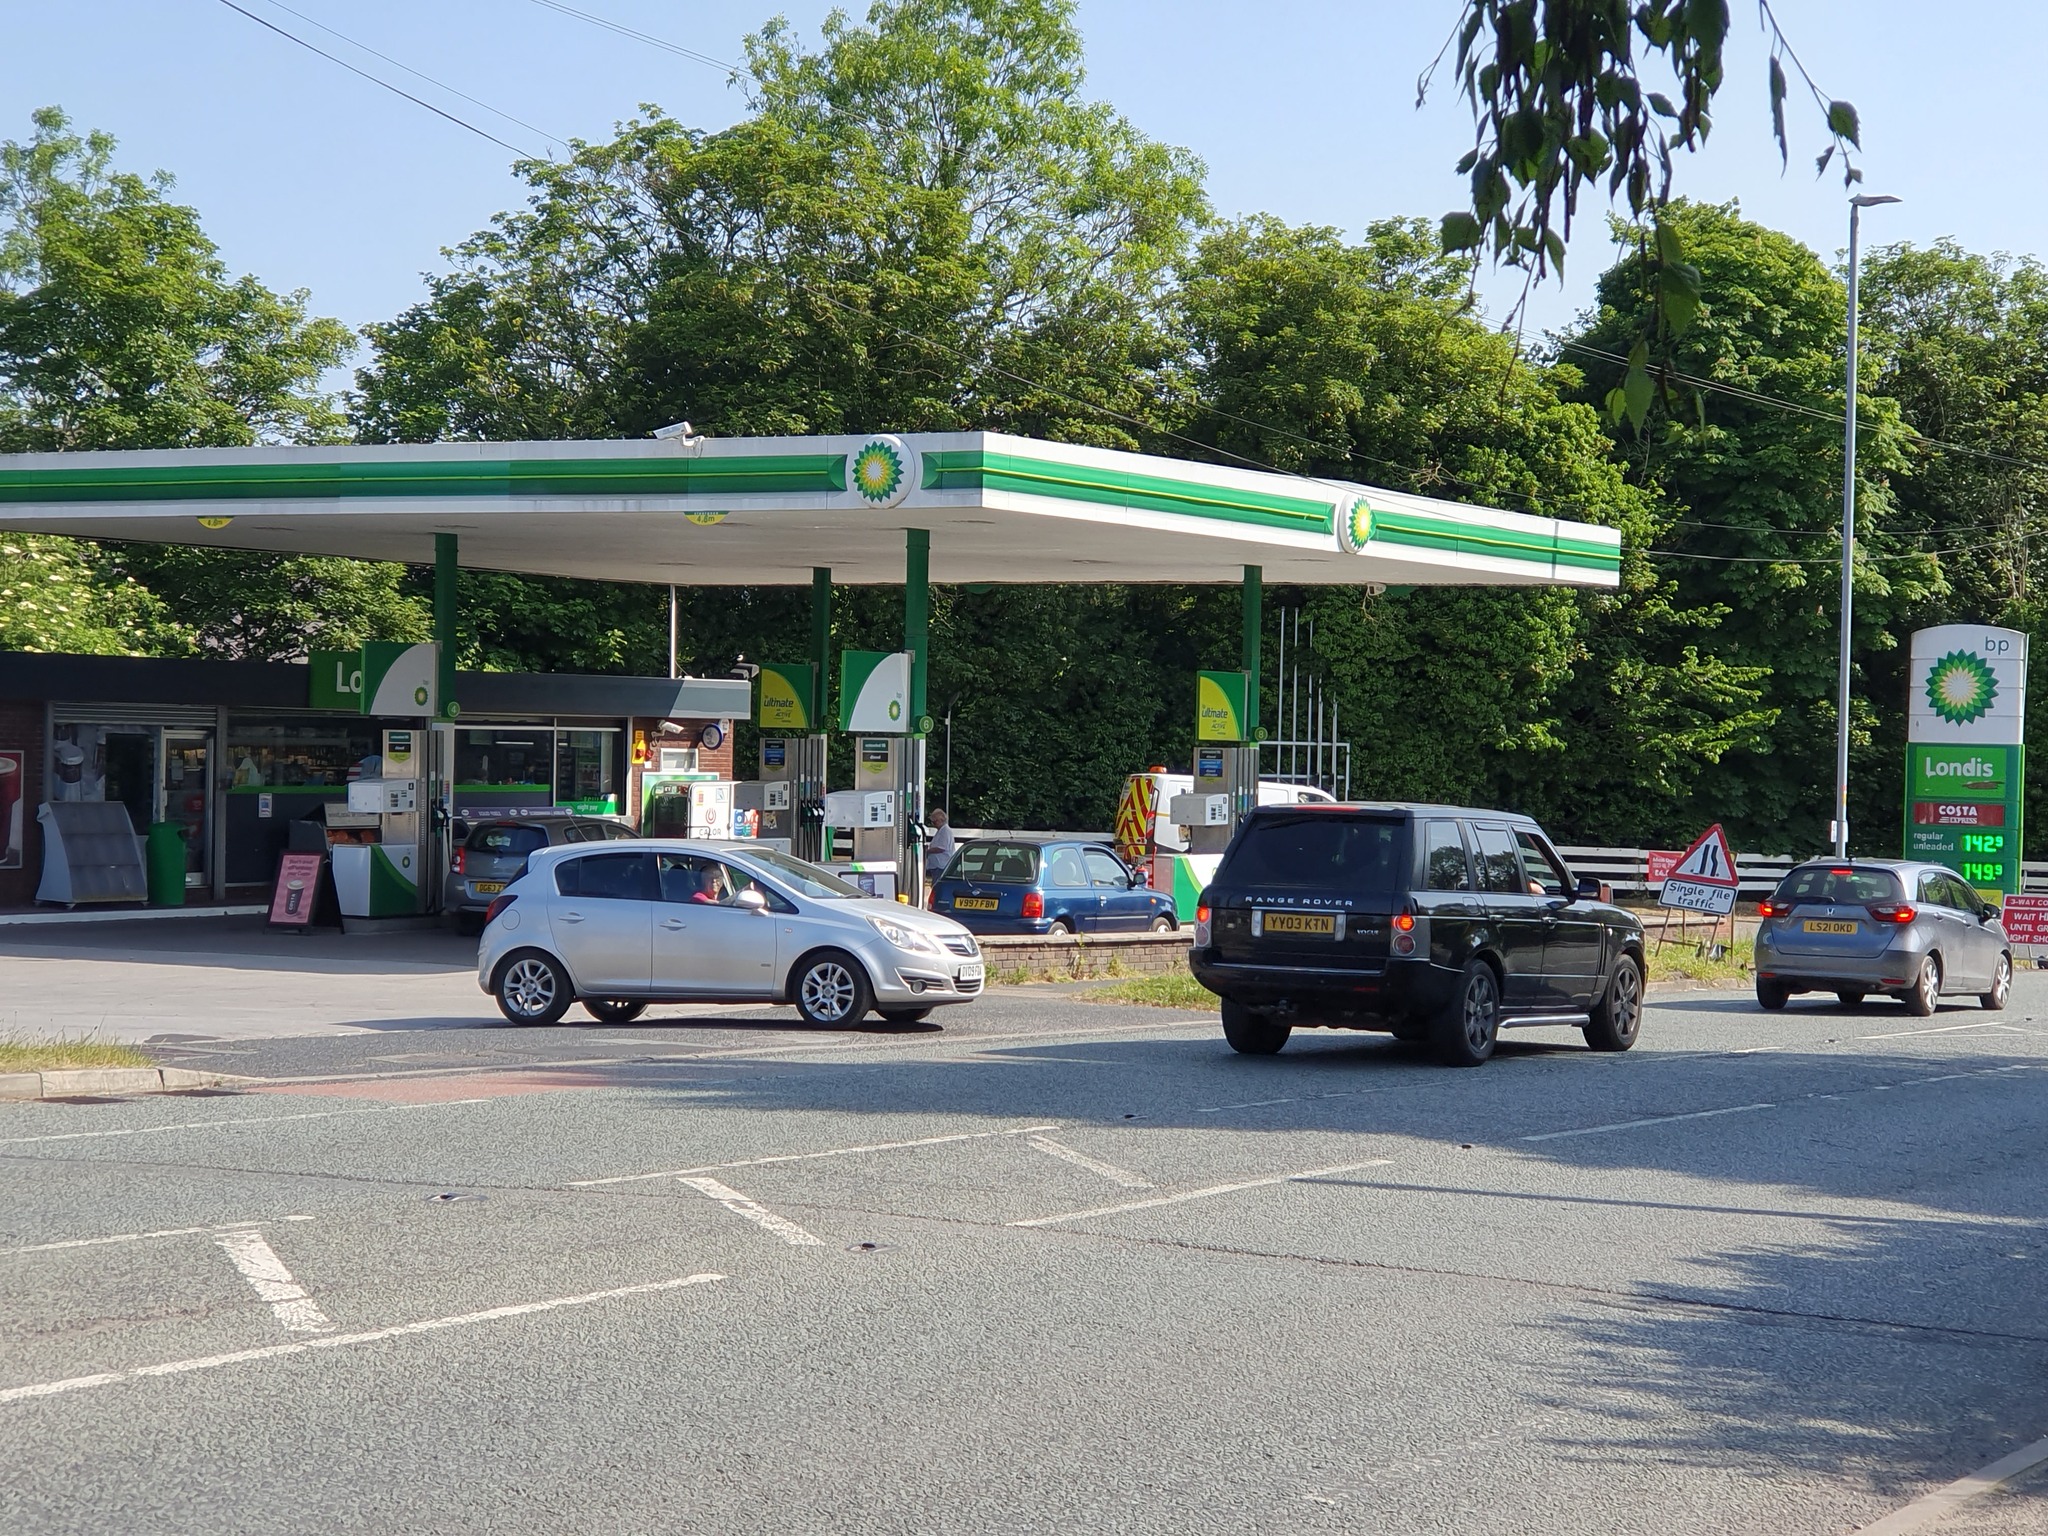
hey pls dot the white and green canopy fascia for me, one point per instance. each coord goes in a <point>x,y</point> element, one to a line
<point>768,510</point>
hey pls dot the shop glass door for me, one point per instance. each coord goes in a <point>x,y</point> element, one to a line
<point>187,801</point>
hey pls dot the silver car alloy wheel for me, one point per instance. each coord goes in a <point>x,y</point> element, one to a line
<point>828,991</point>
<point>1482,1006</point>
<point>2001,980</point>
<point>529,986</point>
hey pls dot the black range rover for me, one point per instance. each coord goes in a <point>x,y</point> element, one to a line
<point>1427,921</point>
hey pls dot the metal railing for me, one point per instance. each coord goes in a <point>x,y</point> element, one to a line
<point>1627,870</point>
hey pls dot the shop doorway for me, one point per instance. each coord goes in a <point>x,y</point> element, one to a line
<point>127,770</point>
<point>186,801</point>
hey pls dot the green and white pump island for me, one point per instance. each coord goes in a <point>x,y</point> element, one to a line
<point>884,509</point>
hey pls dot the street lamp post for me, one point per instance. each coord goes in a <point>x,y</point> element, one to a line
<point>1838,829</point>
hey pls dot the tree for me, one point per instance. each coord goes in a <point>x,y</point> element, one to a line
<point>916,225</point>
<point>1960,341</point>
<point>120,327</point>
<point>1751,458</point>
<point>1362,362</point>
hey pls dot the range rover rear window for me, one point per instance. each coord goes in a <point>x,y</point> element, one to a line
<point>1321,851</point>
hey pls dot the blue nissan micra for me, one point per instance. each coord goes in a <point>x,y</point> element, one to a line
<point>1015,885</point>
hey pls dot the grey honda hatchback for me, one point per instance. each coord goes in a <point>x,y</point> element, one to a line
<point>1852,928</point>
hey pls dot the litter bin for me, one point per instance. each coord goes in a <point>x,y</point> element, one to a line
<point>165,860</point>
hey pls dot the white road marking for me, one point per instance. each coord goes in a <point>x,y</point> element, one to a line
<point>252,1254</point>
<point>133,1237</point>
<point>1203,1194</point>
<point>1630,1125</point>
<point>1109,1171</point>
<point>229,1125</point>
<point>341,1340</point>
<point>802,1157</point>
<point>1924,1511</point>
<point>1945,1029</point>
<point>757,1213</point>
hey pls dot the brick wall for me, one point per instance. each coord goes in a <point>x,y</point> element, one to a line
<point>21,730</point>
<point>718,761</point>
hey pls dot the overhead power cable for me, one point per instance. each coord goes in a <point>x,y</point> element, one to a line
<point>645,37</point>
<point>482,133</point>
<point>1813,410</point>
<point>418,74</point>
<point>1348,454</point>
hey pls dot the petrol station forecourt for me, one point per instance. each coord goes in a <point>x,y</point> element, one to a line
<point>877,510</point>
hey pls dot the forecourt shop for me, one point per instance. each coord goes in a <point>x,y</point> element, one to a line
<point>879,510</point>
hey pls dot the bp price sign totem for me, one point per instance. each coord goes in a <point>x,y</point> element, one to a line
<point>1965,769</point>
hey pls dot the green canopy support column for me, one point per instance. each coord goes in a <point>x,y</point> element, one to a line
<point>917,639</point>
<point>1254,621</point>
<point>445,569</point>
<point>811,767</point>
<point>917,614</point>
<point>821,643</point>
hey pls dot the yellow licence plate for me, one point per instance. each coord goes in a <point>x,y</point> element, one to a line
<point>974,903</point>
<point>1323,923</point>
<point>1817,925</point>
<point>488,887</point>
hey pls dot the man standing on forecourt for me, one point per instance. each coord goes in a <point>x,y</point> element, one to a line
<point>938,849</point>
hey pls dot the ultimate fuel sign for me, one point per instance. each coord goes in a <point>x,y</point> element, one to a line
<point>1965,762</point>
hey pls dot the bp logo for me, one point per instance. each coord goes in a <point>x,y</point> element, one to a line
<point>1354,524</point>
<point>419,696</point>
<point>1960,687</point>
<point>881,470</point>
<point>895,709</point>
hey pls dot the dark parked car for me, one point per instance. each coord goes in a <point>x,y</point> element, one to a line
<point>1427,921</point>
<point>1061,885</point>
<point>493,854</point>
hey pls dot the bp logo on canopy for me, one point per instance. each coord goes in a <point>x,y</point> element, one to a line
<point>882,470</point>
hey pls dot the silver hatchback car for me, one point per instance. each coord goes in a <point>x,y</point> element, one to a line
<point>619,926</point>
<point>1852,928</point>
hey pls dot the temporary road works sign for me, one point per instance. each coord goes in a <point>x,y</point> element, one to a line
<point>1705,879</point>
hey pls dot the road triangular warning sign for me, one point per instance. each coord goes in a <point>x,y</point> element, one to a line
<point>1708,861</point>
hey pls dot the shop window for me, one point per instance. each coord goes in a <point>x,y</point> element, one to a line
<point>299,754</point>
<point>586,773</point>
<point>505,757</point>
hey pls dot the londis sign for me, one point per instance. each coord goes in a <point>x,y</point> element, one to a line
<point>1965,766</point>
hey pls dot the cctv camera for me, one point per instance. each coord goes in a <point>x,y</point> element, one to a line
<point>1375,588</point>
<point>680,429</point>
<point>670,728</point>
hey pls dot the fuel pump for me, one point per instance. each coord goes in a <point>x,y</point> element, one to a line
<point>377,870</point>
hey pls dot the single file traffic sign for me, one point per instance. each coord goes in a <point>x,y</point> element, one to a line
<point>1705,879</point>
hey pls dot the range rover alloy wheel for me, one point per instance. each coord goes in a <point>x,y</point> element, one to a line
<point>1467,1031</point>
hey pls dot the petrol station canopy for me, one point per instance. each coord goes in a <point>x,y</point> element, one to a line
<point>766,511</point>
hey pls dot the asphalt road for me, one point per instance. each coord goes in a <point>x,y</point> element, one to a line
<point>1060,1266</point>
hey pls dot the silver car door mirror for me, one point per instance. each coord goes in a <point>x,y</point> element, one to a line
<point>753,901</point>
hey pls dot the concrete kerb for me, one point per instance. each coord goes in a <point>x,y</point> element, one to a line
<point>77,1082</point>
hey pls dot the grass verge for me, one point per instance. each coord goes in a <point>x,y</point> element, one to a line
<point>18,1054</point>
<point>1173,990</point>
<point>1675,962</point>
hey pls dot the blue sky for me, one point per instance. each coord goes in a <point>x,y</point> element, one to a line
<point>310,177</point>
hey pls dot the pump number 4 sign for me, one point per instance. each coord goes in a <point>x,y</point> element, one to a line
<point>1704,879</point>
